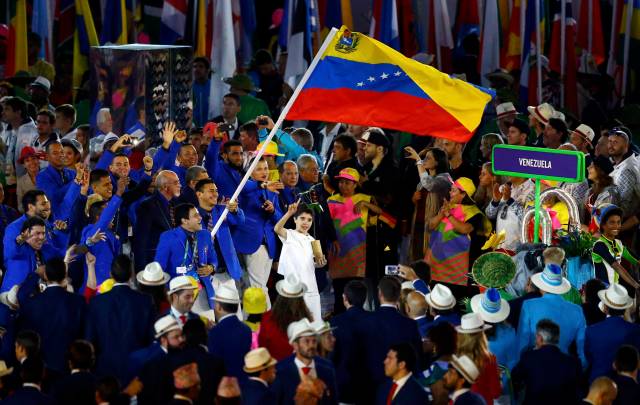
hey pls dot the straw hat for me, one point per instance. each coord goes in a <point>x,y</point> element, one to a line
<point>493,269</point>
<point>441,298</point>
<point>550,280</point>
<point>321,327</point>
<point>466,367</point>
<point>258,360</point>
<point>227,295</point>
<point>504,109</point>
<point>472,323</point>
<point>300,329</point>
<point>153,275</point>
<point>186,376</point>
<point>180,283</point>
<point>490,306</point>
<point>291,287</point>
<point>4,370</point>
<point>585,132</point>
<point>615,297</point>
<point>542,112</point>
<point>165,325</point>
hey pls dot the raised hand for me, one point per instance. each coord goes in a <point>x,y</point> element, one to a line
<point>123,182</point>
<point>168,134</point>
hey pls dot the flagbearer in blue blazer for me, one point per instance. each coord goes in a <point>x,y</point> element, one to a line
<point>187,249</point>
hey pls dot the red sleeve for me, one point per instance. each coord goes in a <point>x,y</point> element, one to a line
<point>488,383</point>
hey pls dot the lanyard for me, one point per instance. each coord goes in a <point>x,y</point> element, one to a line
<point>186,251</point>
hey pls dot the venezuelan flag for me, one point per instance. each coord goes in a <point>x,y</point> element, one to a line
<point>17,42</point>
<point>362,81</point>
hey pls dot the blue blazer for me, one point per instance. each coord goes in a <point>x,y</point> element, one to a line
<point>152,218</point>
<point>28,396</point>
<point>603,339</point>
<point>410,393</point>
<point>165,160</point>
<point>548,375</point>
<point>118,323</point>
<point>50,181</point>
<point>230,340</point>
<point>172,247</point>
<point>226,177</point>
<point>470,398</point>
<point>288,379</point>
<point>223,237</point>
<point>76,389</point>
<point>258,225</point>
<point>58,317</point>
<point>104,251</point>
<point>256,393</point>
<point>140,357</point>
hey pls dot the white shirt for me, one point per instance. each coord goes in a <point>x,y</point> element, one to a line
<point>177,315</point>
<point>327,139</point>
<point>457,393</point>
<point>300,365</point>
<point>32,385</point>
<point>226,316</point>
<point>400,383</point>
<point>297,257</point>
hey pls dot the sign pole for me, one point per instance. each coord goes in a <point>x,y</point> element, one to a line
<point>536,223</point>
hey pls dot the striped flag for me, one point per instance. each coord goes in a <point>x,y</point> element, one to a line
<point>17,42</point>
<point>223,54</point>
<point>114,23</point>
<point>530,50</point>
<point>41,24</point>
<point>440,37</point>
<point>568,75</point>
<point>173,21</point>
<point>299,43</point>
<point>84,38</point>
<point>384,23</point>
<point>468,20</point>
<point>249,23</point>
<point>513,51</point>
<point>590,37</point>
<point>490,42</point>
<point>65,16</point>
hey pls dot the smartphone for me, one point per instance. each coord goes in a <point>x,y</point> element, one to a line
<point>263,121</point>
<point>392,270</point>
<point>225,127</point>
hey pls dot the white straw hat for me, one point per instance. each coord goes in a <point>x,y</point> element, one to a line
<point>472,323</point>
<point>153,275</point>
<point>291,286</point>
<point>441,298</point>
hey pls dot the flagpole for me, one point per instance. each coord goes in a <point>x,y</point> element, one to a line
<point>538,52</point>
<point>436,31</point>
<point>277,125</point>
<point>563,28</point>
<point>612,41</point>
<point>627,40</point>
<point>590,16</point>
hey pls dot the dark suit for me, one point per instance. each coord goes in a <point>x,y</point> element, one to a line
<point>153,217</point>
<point>28,396</point>
<point>628,390</point>
<point>288,379</point>
<point>58,317</point>
<point>236,132</point>
<point>470,398</point>
<point>548,375</point>
<point>600,344</point>
<point>410,393</point>
<point>257,393</point>
<point>76,389</point>
<point>140,357</point>
<point>210,369</point>
<point>119,322</point>
<point>230,340</point>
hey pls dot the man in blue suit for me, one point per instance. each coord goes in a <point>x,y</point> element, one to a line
<point>193,175</point>
<point>230,339</point>
<point>79,387</point>
<point>173,148</point>
<point>304,362</point>
<point>55,314</point>
<point>226,172</point>
<point>551,305</point>
<point>154,216</point>
<point>119,322</point>
<point>603,338</point>
<point>55,179</point>
<point>548,375</point>
<point>401,387</point>
<point>30,242</point>
<point>261,369</point>
<point>32,372</point>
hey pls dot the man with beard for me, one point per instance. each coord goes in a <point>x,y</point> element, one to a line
<point>458,380</point>
<point>304,363</point>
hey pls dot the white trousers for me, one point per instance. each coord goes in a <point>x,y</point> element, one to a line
<point>312,299</point>
<point>258,269</point>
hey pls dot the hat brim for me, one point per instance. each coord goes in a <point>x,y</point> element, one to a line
<point>436,306</point>
<point>6,371</point>
<point>226,300</point>
<point>532,111</point>
<point>270,363</point>
<point>285,294</point>
<point>484,327</point>
<point>164,332</point>
<point>305,333</point>
<point>23,158</point>
<point>604,301</point>
<point>165,279</point>
<point>495,317</point>
<point>230,82</point>
<point>563,288</point>
<point>182,288</point>
<point>346,178</point>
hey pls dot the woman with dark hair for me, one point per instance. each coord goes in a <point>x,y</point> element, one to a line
<point>590,301</point>
<point>429,195</point>
<point>289,307</point>
<point>441,343</point>
<point>602,190</point>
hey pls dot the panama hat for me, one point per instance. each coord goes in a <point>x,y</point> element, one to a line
<point>615,297</point>
<point>321,327</point>
<point>505,109</point>
<point>300,329</point>
<point>542,112</point>
<point>258,360</point>
<point>490,306</point>
<point>441,298</point>
<point>4,370</point>
<point>165,325</point>
<point>153,275</point>
<point>180,283</point>
<point>493,269</point>
<point>585,132</point>
<point>291,287</point>
<point>227,295</point>
<point>466,367</point>
<point>550,280</point>
<point>472,323</point>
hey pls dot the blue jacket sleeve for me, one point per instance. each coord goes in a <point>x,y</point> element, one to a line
<point>166,159</point>
<point>105,160</point>
<point>236,219</point>
<point>163,252</point>
<point>108,213</point>
<point>13,250</point>
<point>421,286</point>
<point>293,150</point>
<point>212,159</point>
<point>64,213</point>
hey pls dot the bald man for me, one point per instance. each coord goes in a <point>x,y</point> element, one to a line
<point>416,308</point>
<point>603,391</point>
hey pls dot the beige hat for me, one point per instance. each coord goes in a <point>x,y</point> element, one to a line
<point>257,360</point>
<point>472,323</point>
<point>441,298</point>
<point>165,325</point>
<point>153,275</point>
<point>466,367</point>
<point>180,283</point>
<point>321,327</point>
<point>291,286</point>
<point>585,132</point>
<point>227,295</point>
<point>559,115</point>
<point>4,370</point>
<point>615,297</point>
<point>542,112</point>
<point>299,329</point>
<point>505,109</point>
<point>10,298</point>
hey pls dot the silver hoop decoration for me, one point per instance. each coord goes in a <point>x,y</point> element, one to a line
<point>545,225</point>
<point>570,202</point>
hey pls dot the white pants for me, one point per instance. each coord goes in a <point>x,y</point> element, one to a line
<point>258,269</point>
<point>312,300</point>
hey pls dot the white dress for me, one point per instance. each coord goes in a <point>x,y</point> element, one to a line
<point>297,257</point>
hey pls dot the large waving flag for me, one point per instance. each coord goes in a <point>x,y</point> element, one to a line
<point>223,54</point>
<point>299,43</point>
<point>84,38</point>
<point>17,42</point>
<point>114,23</point>
<point>530,51</point>
<point>370,83</point>
<point>513,51</point>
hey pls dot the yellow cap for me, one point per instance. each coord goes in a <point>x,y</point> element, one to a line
<point>254,301</point>
<point>350,174</point>
<point>465,184</point>
<point>271,150</point>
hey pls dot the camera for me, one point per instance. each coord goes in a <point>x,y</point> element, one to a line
<point>263,121</point>
<point>392,270</point>
<point>224,127</point>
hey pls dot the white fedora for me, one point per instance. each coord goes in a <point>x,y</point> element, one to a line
<point>180,283</point>
<point>490,306</point>
<point>615,297</point>
<point>542,112</point>
<point>291,286</point>
<point>472,323</point>
<point>165,325</point>
<point>466,367</point>
<point>441,298</point>
<point>550,280</point>
<point>10,298</point>
<point>299,329</point>
<point>257,360</point>
<point>321,327</point>
<point>153,275</point>
<point>504,109</point>
<point>585,132</point>
<point>227,295</point>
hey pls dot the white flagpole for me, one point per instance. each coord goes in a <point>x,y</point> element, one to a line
<point>277,125</point>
